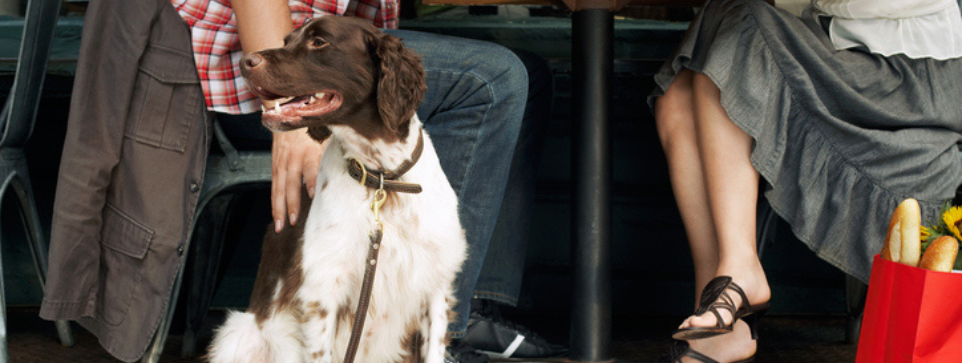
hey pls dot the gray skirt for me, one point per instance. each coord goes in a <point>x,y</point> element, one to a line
<point>841,137</point>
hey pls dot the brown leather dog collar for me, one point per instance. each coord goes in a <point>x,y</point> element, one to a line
<point>377,179</point>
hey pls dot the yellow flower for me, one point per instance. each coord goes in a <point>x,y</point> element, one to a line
<point>952,217</point>
<point>924,231</point>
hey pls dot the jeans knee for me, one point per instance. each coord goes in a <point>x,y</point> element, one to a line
<point>505,79</point>
<point>506,73</point>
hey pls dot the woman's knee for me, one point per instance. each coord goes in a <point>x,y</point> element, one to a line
<point>674,119</point>
<point>703,86</point>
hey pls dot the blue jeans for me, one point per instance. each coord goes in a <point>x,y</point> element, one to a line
<point>473,110</point>
<point>503,268</point>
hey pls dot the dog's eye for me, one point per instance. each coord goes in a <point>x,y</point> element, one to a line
<point>317,42</point>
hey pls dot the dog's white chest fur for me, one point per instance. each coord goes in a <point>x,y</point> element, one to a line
<point>421,251</point>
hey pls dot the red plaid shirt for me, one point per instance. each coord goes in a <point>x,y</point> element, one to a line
<point>217,50</point>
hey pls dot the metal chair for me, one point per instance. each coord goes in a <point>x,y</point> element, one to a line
<point>17,120</point>
<point>855,290</point>
<point>226,175</point>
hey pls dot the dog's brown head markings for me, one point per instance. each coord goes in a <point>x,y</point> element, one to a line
<point>338,71</point>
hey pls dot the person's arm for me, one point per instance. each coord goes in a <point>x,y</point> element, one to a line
<point>262,24</point>
<point>295,157</point>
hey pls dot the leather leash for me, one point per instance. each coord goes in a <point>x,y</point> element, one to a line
<point>382,183</point>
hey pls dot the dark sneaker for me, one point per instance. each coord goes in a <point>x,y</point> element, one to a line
<point>488,333</point>
<point>458,352</point>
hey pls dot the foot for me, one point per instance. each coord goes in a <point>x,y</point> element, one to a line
<point>500,338</point>
<point>458,352</point>
<point>728,348</point>
<point>755,287</point>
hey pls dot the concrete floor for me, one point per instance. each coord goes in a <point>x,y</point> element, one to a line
<point>783,339</point>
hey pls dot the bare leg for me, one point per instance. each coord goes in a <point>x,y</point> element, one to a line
<point>732,193</point>
<point>716,188</point>
<point>674,113</point>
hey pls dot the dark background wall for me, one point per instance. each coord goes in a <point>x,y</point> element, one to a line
<point>652,270</point>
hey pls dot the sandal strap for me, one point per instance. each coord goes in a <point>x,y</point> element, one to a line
<point>710,293</point>
<point>674,354</point>
<point>694,354</point>
<point>719,322</point>
<point>680,350</point>
<point>725,301</point>
<point>745,304</point>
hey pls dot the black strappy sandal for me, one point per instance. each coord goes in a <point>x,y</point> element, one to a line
<point>680,350</point>
<point>715,296</point>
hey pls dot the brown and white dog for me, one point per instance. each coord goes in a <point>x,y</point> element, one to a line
<point>343,79</point>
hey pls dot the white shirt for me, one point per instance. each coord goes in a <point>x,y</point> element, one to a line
<point>916,28</point>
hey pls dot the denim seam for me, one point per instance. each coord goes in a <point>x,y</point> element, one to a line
<point>468,163</point>
<point>499,297</point>
<point>487,88</point>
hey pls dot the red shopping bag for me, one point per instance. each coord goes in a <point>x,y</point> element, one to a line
<point>911,315</point>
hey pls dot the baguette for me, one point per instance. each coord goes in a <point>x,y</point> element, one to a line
<point>902,240</point>
<point>941,254</point>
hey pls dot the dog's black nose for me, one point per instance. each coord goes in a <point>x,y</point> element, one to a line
<point>252,60</point>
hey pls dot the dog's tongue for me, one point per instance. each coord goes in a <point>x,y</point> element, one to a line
<point>291,109</point>
<point>299,104</point>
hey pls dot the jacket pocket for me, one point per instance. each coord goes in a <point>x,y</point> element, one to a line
<point>165,100</point>
<point>124,244</point>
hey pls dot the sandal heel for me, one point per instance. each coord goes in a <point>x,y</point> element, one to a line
<point>752,320</point>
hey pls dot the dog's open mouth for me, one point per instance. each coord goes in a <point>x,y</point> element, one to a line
<point>288,110</point>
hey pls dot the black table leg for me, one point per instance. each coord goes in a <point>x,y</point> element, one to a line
<point>593,32</point>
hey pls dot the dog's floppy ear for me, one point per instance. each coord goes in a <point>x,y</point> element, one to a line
<point>400,83</point>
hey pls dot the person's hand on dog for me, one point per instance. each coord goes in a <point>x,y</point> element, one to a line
<point>295,158</point>
<point>262,24</point>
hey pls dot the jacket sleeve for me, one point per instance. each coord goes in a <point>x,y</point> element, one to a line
<point>114,37</point>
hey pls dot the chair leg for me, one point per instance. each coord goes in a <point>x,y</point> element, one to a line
<point>765,226</point>
<point>204,267</point>
<point>156,348</point>
<point>4,355</point>
<point>38,246</point>
<point>855,290</point>
<point>855,295</point>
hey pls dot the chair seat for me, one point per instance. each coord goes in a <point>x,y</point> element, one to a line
<point>224,172</point>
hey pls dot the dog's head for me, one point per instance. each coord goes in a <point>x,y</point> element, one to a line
<point>337,71</point>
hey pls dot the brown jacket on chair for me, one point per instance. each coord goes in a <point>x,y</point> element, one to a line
<point>130,176</point>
